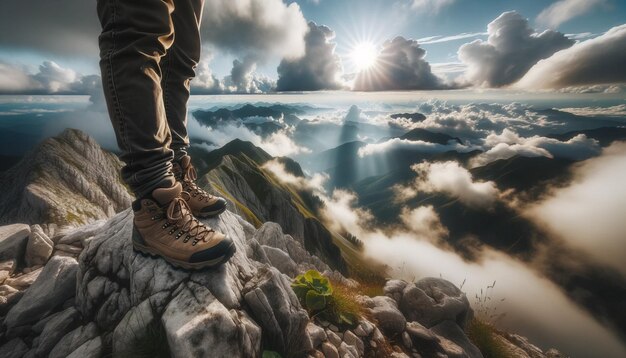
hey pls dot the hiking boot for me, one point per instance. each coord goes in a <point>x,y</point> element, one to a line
<point>164,226</point>
<point>202,204</point>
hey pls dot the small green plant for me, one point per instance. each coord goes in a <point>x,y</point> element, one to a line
<point>271,354</point>
<point>317,294</point>
<point>313,290</point>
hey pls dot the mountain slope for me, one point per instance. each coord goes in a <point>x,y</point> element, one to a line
<point>66,179</point>
<point>235,172</point>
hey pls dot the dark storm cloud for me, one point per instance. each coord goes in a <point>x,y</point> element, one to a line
<point>511,50</point>
<point>400,66</point>
<point>596,61</point>
<point>319,68</point>
<point>65,27</point>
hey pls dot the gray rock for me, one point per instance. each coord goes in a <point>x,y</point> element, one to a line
<point>352,340</point>
<point>38,248</point>
<point>434,300</point>
<point>24,281</point>
<point>271,234</point>
<point>347,351</point>
<point>14,348</point>
<point>333,338</point>
<point>55,284</point>
<point>198,325</point>
<point>90,349</point>
<point>453,332</point>
<point>281,260</point>
<point>386,313</point>
<point>419,332</point>
<point>524,344</point>
<point>394,289</point>
<point>316,334</point>
<point>8,265</point>
<point>55,328</point>
<point>73,340</point>
<point>275,307</point>
<point>329,350</point>
<point>134,326</point>
<point>406,340</point>
<point>13,240</point>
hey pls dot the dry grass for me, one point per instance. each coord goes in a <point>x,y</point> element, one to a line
<point>482,335</point>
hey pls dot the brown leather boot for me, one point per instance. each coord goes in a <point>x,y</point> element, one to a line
<point>202,204</point>
<point>164,226</point>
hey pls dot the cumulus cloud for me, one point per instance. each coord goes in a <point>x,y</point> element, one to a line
<point>255,28</point>
<point>314,183</point>
<point>424,222</point>
<point>242,79</point>
<point>318,69</point>
<point>589,214</point>
<point>430,6</point>
<point>511,49</point>
<point>50,79</point>
<point>341,214</point>
<point>451,179</point>
<point>565,10</point>
<point>596,61</point>
<point>400,65</point>
<point>508,144</point>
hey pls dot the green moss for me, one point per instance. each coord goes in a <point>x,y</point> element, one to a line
<point>483,336</point>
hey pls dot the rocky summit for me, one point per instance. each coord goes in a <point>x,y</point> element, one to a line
<point>74,289</point>
<point>112,300</point>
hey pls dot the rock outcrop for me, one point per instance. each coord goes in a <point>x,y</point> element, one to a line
<point>113,300</point>
<point>66,179</point>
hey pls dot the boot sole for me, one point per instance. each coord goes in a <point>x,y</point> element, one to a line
<point>210,214</point>
<point>186,265</point>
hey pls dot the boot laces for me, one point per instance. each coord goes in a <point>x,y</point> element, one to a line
<point>189,178</point>
<point>180,214</point>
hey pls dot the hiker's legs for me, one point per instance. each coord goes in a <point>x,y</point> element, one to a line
<point>135,36</point>
<point>178,69</point>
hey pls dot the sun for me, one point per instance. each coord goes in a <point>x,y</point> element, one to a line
<point>364,55</point>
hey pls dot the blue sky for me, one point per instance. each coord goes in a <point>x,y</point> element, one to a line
<point>352,21</point>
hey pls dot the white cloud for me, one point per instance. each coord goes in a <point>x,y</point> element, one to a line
<point>509,144</point>
<point>589,214</point>
<point>278,143</point>
<point>511,49</point>
<point>612,111</point>
<point>255,28</point>
<point>318,69</point>
<point>397,143</point>
<point>565,10</point>
<point>596,61</point>
<point>50,79</point>
<point>424,222</point>
<point>453,180</point>
<point>529,298</point>
<point>400,65</point>
<point>314,183</point>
